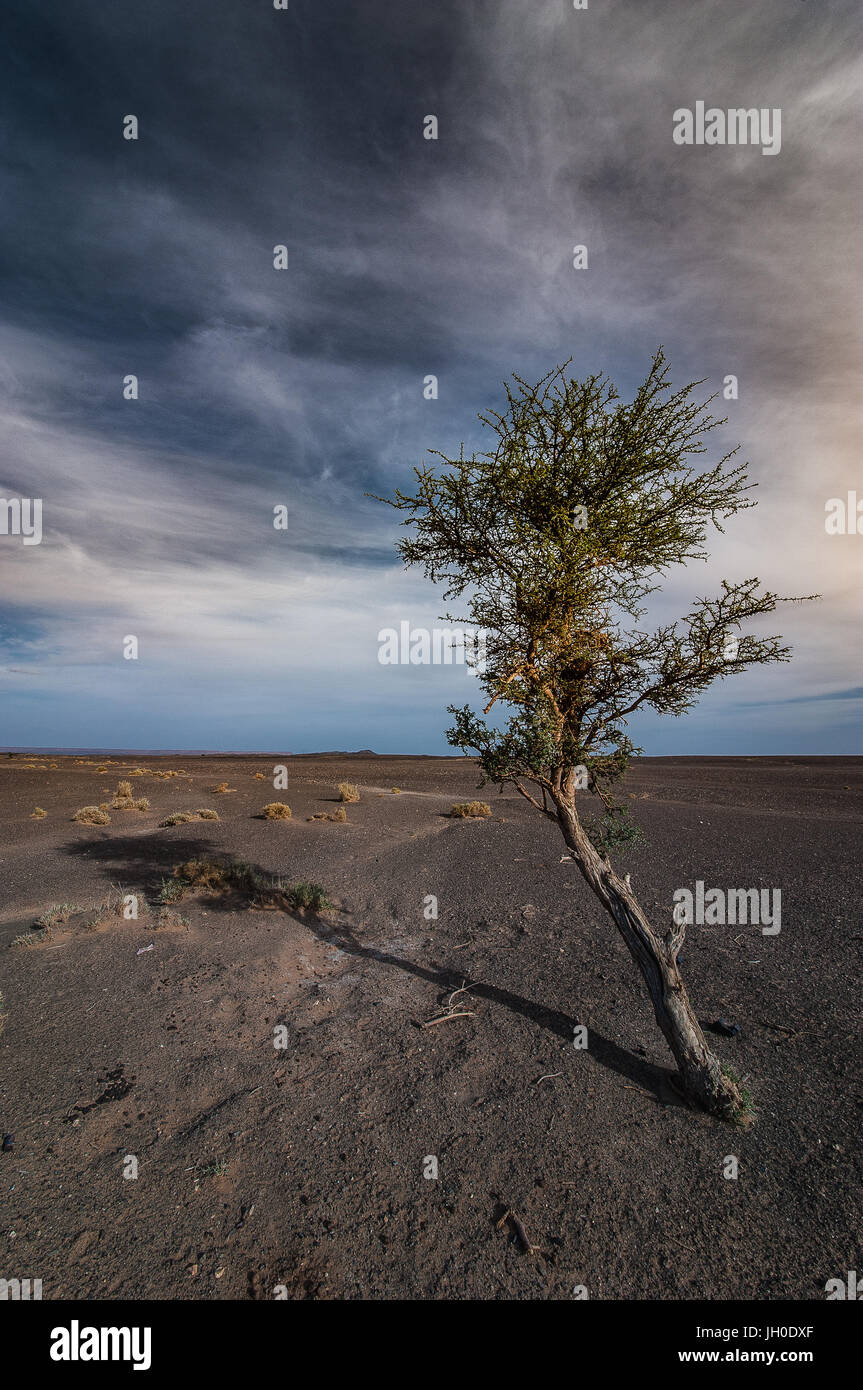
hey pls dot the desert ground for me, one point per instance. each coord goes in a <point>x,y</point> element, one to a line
<point>298,1170</point>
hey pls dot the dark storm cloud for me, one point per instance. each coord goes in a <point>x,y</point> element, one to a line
<point>407,258</point>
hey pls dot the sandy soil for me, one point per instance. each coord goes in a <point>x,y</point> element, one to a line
<point>302,1167</point>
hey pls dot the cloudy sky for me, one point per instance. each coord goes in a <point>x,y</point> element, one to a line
<point>407,257</point>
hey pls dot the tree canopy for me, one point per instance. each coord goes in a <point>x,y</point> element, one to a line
<point>554,539</point>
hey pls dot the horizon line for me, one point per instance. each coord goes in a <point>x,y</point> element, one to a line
<point>68,752</point>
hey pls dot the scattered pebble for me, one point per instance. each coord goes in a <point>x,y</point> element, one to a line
<point>728,1030</point>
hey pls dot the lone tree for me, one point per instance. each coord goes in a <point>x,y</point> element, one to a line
<point>554,539</point>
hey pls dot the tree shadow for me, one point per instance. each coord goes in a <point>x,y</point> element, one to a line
<point>660,1081</point>
<point>150,858</point>
<point>146,858</point>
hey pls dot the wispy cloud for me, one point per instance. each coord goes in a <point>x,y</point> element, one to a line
<point>407,258</point>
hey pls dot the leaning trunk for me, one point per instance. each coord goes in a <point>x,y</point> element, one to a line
<point>702,1077</point>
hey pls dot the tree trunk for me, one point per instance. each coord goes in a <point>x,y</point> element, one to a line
<point>702,1076</point>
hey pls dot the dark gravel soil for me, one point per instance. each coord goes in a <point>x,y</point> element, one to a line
<point>301,1168</point>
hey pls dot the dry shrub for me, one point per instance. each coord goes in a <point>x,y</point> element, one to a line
<point>170,917</point>
<point>92,815</point>
<point>55,916</point>
<point>348,792</point>
<point>38,813</point>
<point>260,777</point>
<point>310,895</point>
<point>478,809</point>
<point>396,791</point>
<point>183,817</point>
<point>124,801</point>
<point>209,875</point>
<point>223,787</point>
<point>276,810</point>
<point>201,873</point>
<point>172,890</point>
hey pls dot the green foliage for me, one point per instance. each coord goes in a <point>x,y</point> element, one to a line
<point>746,1113</point>
<point>310,895</point>
<point>554,539</point>
<point>613,830</point>
<point>172,890</point>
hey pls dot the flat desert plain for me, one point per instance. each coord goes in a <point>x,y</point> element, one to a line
<point>299,1169</point>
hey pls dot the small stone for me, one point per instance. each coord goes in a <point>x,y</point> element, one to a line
<point>728,1030</point>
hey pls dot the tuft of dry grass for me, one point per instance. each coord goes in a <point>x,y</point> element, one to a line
<point>223,787</point>
<point>262,890</point>
<point>125,801</point>
<point>199,873</point>
<point>183,817</point>
<point>215,876</point>
<point>170,917</point>
<point>92,815</point>
<point>276,810</point>
<point>396,791</point>
<point>260,777</point>
<point>55,916</point>
<point>38,813</point>
<point>477,809</point>
<point>348,791</point>
<point>112,906</point>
